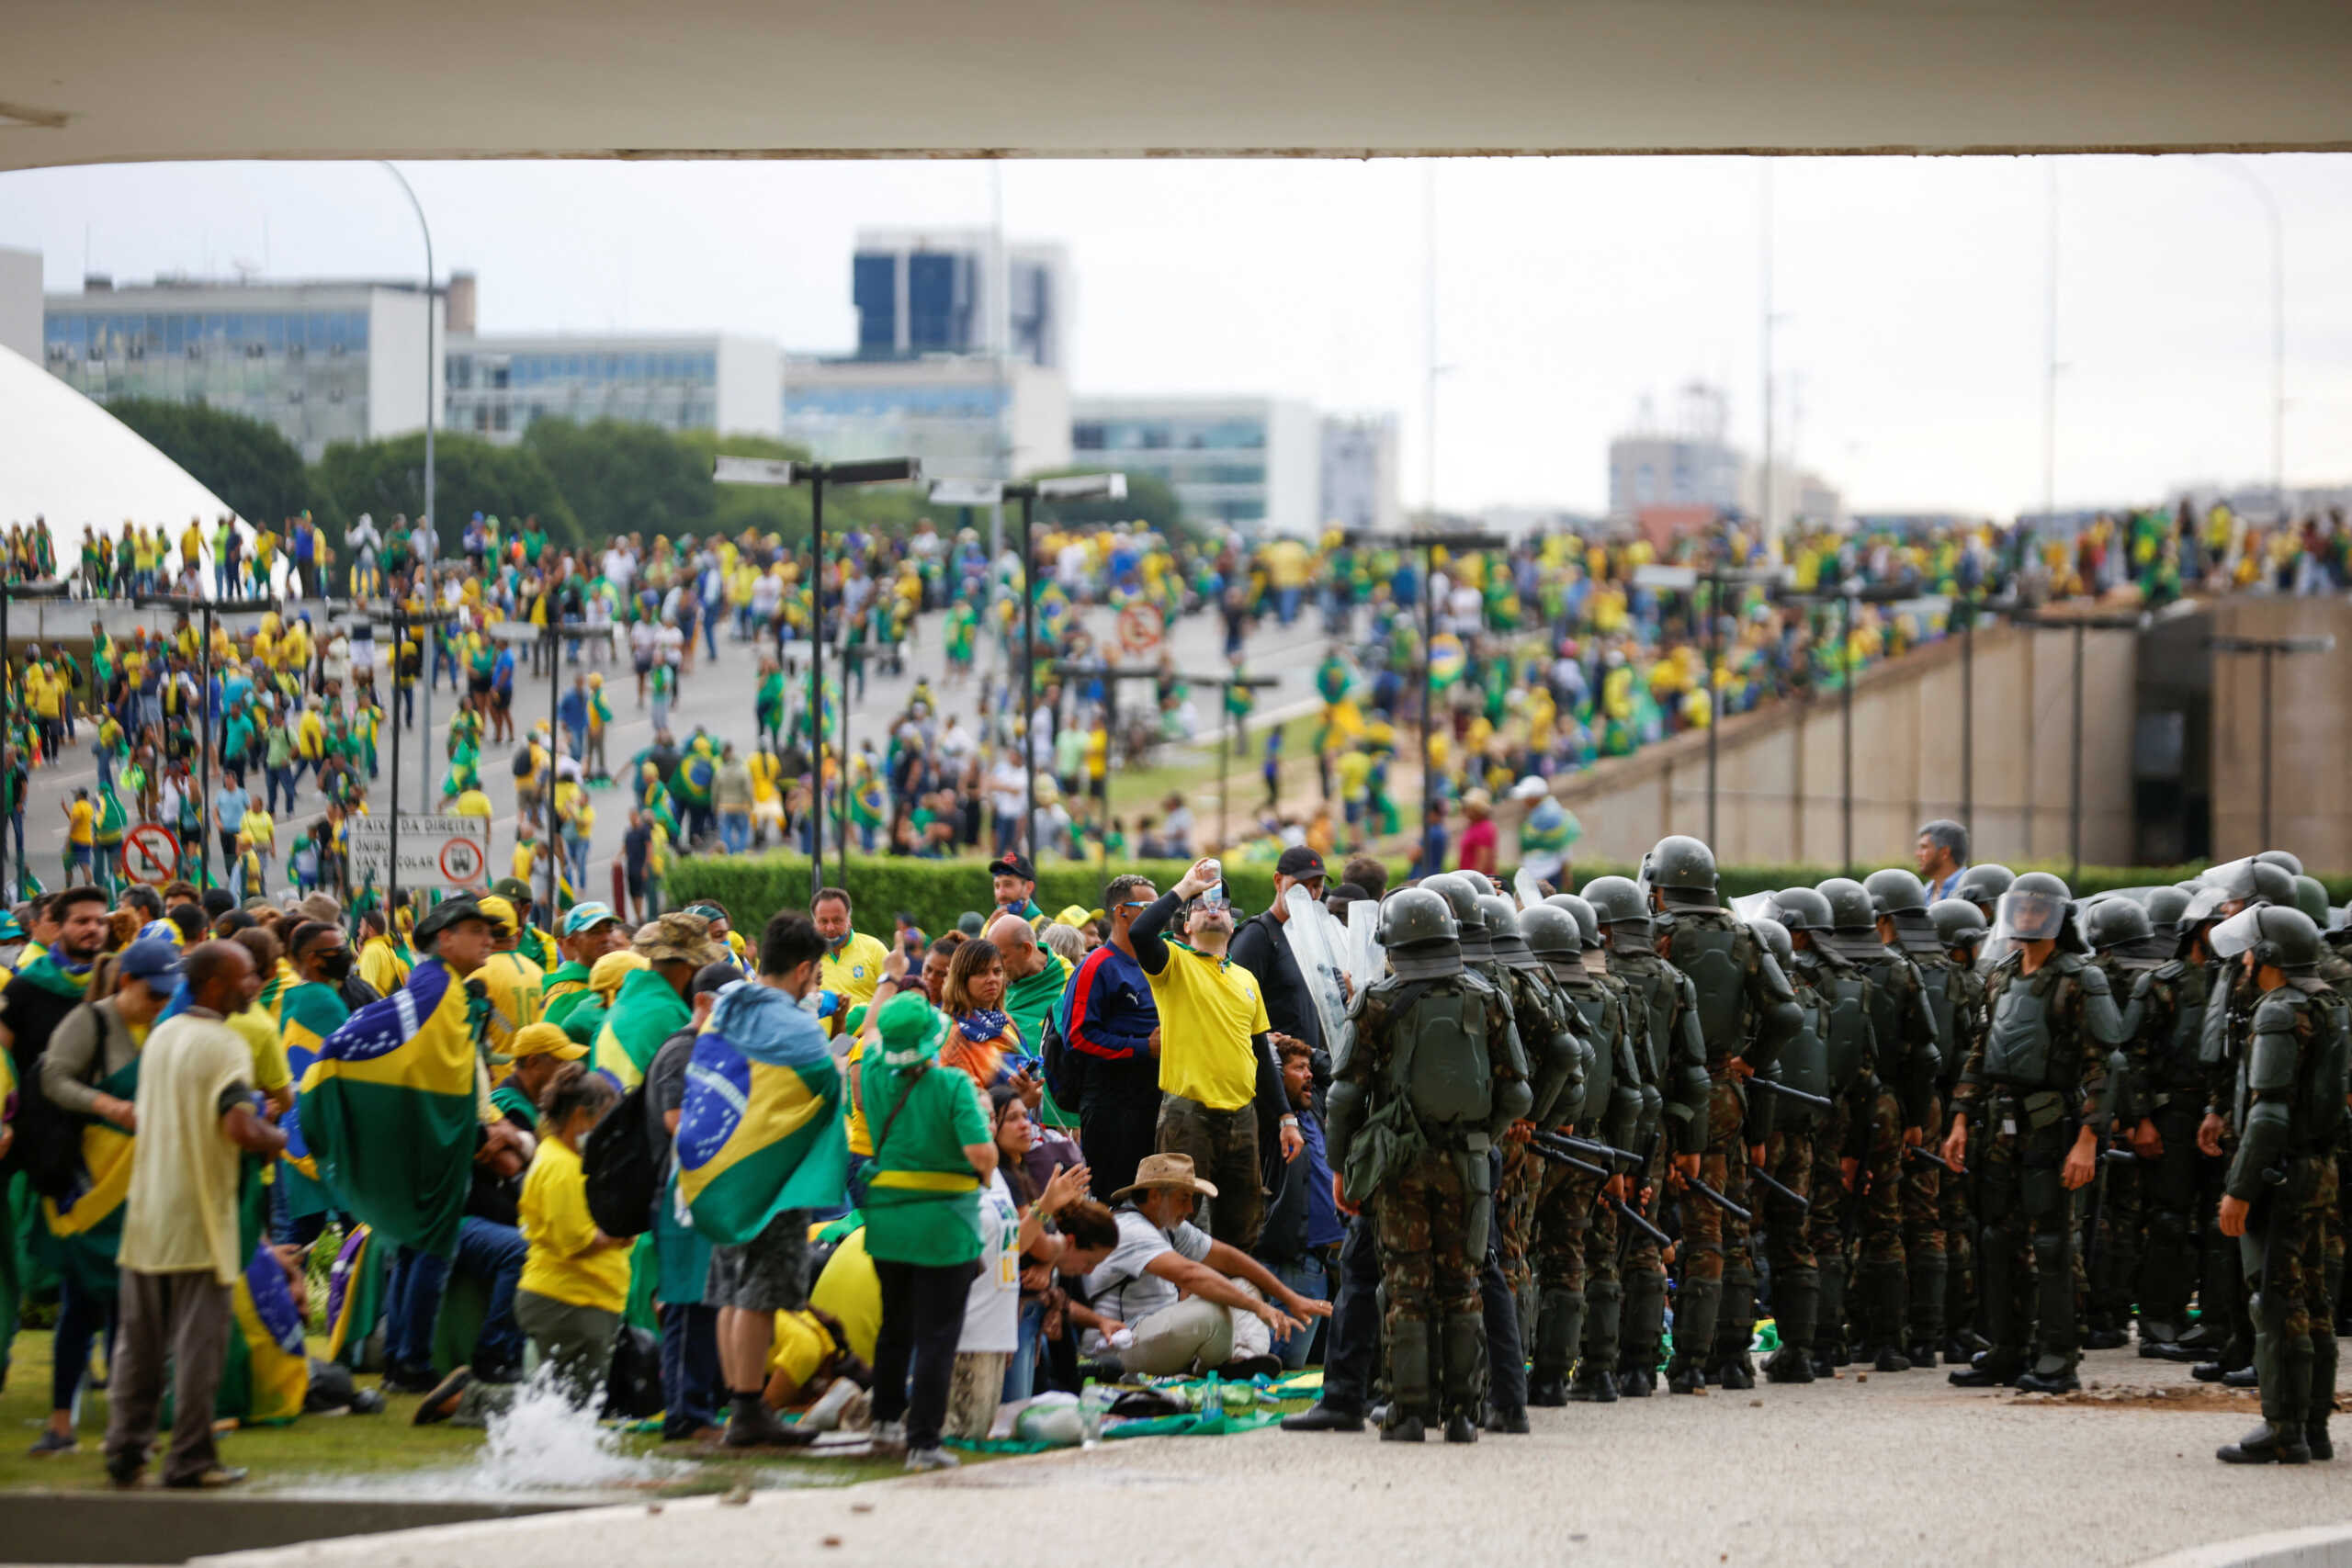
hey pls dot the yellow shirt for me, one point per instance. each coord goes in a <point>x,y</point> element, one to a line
<point>258,827</point>
<point>861,1136</point>
<point>1209,1007</point>
<point>515,988</point>
<point>855,971</point>
<point>381,966</point>
<point>564,1263</point>
<point>79,819</point>
<point>473,803</point>
<point>259,1031</point>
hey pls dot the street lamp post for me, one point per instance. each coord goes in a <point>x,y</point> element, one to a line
<point>209,720</point>
<point>785,472</point>
<point>2269,648</point>
<point>9,593</point>
<point>1028,492</point>
<point>401,620</point>
<point>432,366</point>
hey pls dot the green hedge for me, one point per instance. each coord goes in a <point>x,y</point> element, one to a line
<point>935,892</point>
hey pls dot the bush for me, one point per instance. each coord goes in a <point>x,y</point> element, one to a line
<point>935,892</point>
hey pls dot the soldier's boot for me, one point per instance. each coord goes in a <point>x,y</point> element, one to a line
<point>1559,1330</point>
<point>2322,1398</point>
<point>1829,1324</point>
<point>1696,1308</point>
<point>1412,1392</point>
<point>1463,1376</point>
<point>1796,1296</point>
<point>2280,1440</point>
<point>1926,1330</point>
<point>1735,1331</point>
<point>1596,1376</point>
<point>1882,1287</point>
<point>1643,1330</point>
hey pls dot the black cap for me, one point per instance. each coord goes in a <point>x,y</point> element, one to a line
<point>1013,865</point>
<point>447,913</point>
<point>1299,863</point>
<point>712,977</point>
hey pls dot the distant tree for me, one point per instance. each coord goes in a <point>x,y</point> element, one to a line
<point>626,477</point>
<point>381,477</point>
<point>244,462</point>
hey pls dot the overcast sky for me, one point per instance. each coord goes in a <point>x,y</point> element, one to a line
<point>1910,292</point>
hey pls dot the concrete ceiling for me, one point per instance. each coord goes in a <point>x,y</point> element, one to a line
<point>109,81</point>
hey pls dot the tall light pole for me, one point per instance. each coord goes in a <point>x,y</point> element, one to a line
<point>432,366</point>
<point>2049,359</point>
<point>1764,510</point>
<point>2277,333</point>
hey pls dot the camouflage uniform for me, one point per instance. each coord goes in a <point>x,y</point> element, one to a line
<point>2121,1190</point>
<point>1746,1012</point>
<point>1954,1215</point>
<point>1431,1204</point>
<point>2164,1018</point>
<point>1788,1160</point>
<point>1903,1097</point>
<point>1842,1132</point>
<point>1540,1012</point>
<point>2033,1083</point>
<point>1664,1009</point>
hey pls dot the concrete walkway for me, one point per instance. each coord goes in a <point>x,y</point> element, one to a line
<point>1874,1472</point>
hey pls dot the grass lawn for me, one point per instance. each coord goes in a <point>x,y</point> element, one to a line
<point>317,1452</point>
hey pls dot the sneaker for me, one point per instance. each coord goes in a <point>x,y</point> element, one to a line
<point>930,1458</point>
<point>763,1430</point>
<point>889,1437</point>
<point>402,1379</point>
<point>825,1415</point>
<point>441,1401</point>
<point>52,1442</point>
<point>210,1480</point>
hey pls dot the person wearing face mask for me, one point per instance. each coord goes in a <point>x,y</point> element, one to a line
<point>308,1010</point>
<point>852,962</point>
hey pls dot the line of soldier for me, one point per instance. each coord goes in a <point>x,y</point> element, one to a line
<point>1982,1127</point>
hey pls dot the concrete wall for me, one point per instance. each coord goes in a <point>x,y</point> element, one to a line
<point>2311,810</point>
<point>1779,795</point>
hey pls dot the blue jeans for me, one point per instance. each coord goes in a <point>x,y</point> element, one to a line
<point>576,846</point>
<point>1020,1371</point>
<point>692,1384</point>
<point>735,831</point>
<point>82,1315</point>
<point>281,778</point>
<point>416,1281</point>
<point>1308,1277</point>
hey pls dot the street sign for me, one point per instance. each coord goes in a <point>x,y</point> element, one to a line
<point>447,853</point>
<point>1140,630</point>
<point>151,852</point>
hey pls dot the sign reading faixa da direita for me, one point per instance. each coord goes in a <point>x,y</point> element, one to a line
<point>435,851</point>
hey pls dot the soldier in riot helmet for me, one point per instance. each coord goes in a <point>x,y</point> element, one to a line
<point>1899,1113</point>
<point>1663,1012</point>
<point>2125,942</point>
<point>1983,885</point>
<point>1841,1175</point>
<point>1746,1013</point>
<point>1804,1066</point>
<point>1432,1076</point>
<point>1463,892</point>
<point>2038,1085</point>
<point>1961,926</point>
<point>1553,1036</point>
<point>1576,1242</point>
<point>2164,1018</point>
<point>2288,1108</point>
<point>1900,901</point>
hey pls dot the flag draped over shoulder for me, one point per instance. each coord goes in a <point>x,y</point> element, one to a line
<point>645,1010</point>
<point>760,1130</point>
<point>307,1016</point>
<point>387,1110</point>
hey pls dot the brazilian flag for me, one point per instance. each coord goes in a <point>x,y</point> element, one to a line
<point>388,1111</point>
<point>355,1297</point>
<point>306,1015</point>
<point>761,1131</point>
<point>646,1011</point>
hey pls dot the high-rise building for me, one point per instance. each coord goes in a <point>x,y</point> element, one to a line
<point>1253,464</point>
<point>323,362</point>
<point>1685,460</point>
<point>926,291</point>
<point>1359,472</point>
<point>958,414</point>
<point>500,382</point>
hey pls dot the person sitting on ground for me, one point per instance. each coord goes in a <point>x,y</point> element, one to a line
<point>1190,1302</point>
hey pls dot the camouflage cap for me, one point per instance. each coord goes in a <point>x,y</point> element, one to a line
<point>678,937</point>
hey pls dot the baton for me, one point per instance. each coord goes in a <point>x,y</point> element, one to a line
<point>1587,1146</point>
<point>1625,1213</point>
<point>1758,1174</point>
<point>1929,1157</point>
<point>2118,1156</point>
<point>1717,1198</point>
<point>1569,1160</point>
<point>1823,1101</point>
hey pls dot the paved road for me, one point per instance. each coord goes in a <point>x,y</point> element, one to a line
<point>1894,1469</point>
<point>718,695</point>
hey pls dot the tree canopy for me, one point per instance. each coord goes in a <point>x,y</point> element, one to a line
<point>382,478</point>
<point>244,462</point>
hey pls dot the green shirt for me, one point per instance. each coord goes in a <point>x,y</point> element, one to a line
<point>917,1209</point>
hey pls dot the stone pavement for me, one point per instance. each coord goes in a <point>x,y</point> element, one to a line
<point>1872,1470</point>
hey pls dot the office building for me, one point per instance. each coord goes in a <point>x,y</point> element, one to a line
<point>500,382</point>
<point>323,362</point>
<point>960,415</point>
<point>1358,482</point>
<point>1683,461</point>
<point>927,292</point>
<point>21,303</point>
<point>1252,464</point>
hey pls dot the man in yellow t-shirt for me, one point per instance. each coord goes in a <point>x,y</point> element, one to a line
<point>853,963</point>
<point>81,822</point>
<point>1216,1053</point>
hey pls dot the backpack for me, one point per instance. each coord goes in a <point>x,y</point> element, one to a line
<point>617,1162</point>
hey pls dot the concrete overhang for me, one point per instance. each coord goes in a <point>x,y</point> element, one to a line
<point>114,81</point>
